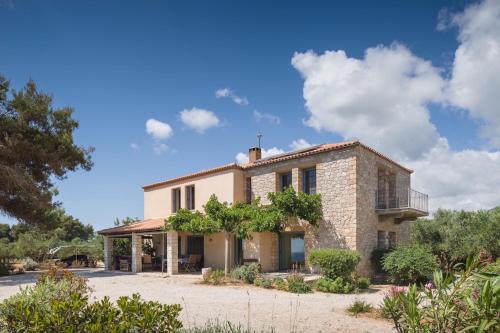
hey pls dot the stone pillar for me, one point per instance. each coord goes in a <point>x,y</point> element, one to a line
<point>274,252</point>
<point>172,255</point>
<point>108,253</point>
<point>296,179</point>
<point>136,253</point>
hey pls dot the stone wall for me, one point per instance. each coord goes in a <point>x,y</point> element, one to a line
<point>367,219</point>
<point>108,252</point>
<point>136,253</point>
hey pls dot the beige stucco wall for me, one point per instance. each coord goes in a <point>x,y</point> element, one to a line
<point>214,248</point>
<point>158,201</point>
<point>263,247</point>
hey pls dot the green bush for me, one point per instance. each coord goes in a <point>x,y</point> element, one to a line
<point>58,302</point>
<point>223,327</point>
<point>335,262</point>
<point>297,285</point>
<point>363,282</point>
<point>264,283</point>
<point>30,264</point>
<point>376,259</point>
<point>246,273</point>
<point>466,303</point>
<point>216,277</point>
<point>409,264</point>
<point>280,284</point>
<point>339,285</point>
<point>359,307</point>
<point>4,269</point>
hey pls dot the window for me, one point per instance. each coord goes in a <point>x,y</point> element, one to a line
<point>176,199</point>
<point>392,239</point>
<point>381,240</point>
<point>285,180</point>
<point>309,181</point>
<point>190,197</point>
<point>248,190</point>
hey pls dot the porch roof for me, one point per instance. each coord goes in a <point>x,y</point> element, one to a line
<point>150,225</point>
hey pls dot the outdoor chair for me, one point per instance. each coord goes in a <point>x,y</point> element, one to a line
<point>124,265</point>
<point>190,265</point>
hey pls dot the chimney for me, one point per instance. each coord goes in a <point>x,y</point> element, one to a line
<point>254,154</point>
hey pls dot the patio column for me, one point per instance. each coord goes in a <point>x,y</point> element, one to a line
<point>172,253</point>
<point>136,253</point>
<point>108,253</point>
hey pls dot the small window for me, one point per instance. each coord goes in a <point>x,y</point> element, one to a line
<point>190,197</point>
<point>176,199</point>
<point>392,239</point>
<point>285,180</point>
<point>309,181</point>
<point>381,240</point>
<point>248,190</point>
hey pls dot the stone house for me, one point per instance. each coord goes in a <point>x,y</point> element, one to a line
<point>367,203</point>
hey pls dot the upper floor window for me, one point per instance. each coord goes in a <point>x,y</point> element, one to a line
<point>309,181</point>
<point>248,190</point>
<point>190,197</point>
<point>285,180</point>
<point>176,199</point>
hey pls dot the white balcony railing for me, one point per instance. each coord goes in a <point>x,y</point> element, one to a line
<point>410,199</point>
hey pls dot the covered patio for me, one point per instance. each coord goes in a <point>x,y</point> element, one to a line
<point>152,248</point>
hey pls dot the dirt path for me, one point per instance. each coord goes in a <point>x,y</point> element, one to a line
<point>286,312</point>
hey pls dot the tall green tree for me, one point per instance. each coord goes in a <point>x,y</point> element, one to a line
<point>36,148</point>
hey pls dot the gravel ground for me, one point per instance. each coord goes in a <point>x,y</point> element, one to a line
<point>286,312</point>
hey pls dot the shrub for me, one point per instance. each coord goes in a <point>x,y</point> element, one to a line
<point>469,302</point>
<point>339,285</point>
<point>376,259</point>
<point>78,283</point>
<point>409,264</point>
<point>58,302</point>
<point>4,269</point>
<point>297,285</point>
<point>280,284</point>
<point>217,277</point>
<point>223,327</point>
<point>359,307</point>
<point>264,283</point>
<point>246,273</point>
<point>335,262</point>
<point>363,282</point>
<point>30,264</point>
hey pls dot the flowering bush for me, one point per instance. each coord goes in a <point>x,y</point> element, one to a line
<point>470,302</point>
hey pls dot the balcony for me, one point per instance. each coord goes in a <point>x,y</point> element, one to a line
<point>403,206</point>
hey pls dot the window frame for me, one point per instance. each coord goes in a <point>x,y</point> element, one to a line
<point>248,190</point>
<point>175,198</point>
<point>306,186</point>
<point>190,196</point>
<point>281,177</point>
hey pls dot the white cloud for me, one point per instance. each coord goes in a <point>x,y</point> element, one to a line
<point>467,179</point>
<point>242,158</point>
<point>270,118</point>
<point>380,99</point>
<point>199,119</point>
<point>228,93</point>
<point>159,148</point>
<point>475,80</point>
<point>158,130</point>
<point>300,144</point>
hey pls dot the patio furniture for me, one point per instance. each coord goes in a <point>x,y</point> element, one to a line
<point>163,263</point>
<point>124,265</point>
<point>147,262</point>
<point>190,265</point>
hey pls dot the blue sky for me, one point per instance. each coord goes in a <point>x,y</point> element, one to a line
<point>121,63</point>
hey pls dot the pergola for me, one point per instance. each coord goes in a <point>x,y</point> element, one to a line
<point>136,231</point>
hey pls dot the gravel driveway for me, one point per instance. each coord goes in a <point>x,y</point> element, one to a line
<point>286,312</point>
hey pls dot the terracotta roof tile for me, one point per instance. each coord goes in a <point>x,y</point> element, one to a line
<point>140,226</point>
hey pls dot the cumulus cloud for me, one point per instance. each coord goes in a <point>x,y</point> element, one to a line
<point>199,119</point>
<point>382,100</point>
<point>300,144</point>
<point>270,118</point>
<point>158,130</point>
<point>475,79</point>
<point>242,158</point>
<point>228,93</point>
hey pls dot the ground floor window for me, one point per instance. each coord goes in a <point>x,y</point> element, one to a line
<point>291,250</point>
